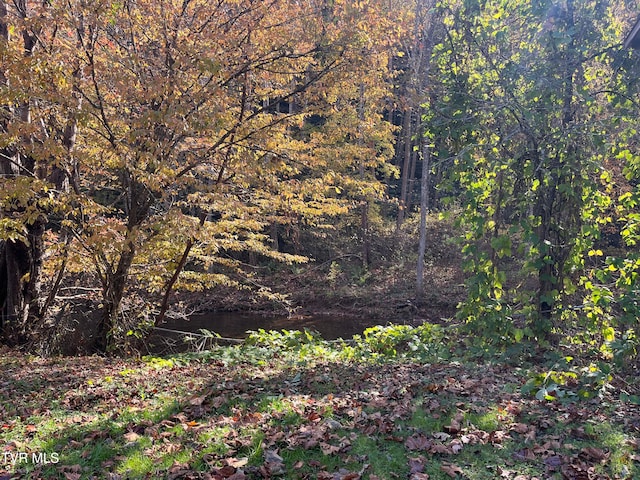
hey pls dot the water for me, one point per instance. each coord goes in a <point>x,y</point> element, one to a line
<point>235,325</point>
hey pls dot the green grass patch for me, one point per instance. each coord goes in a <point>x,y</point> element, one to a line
<point>322,407</point>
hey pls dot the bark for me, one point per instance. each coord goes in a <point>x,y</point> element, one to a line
<point>426,44</point>
<point>21,298</point>
<point>424,208</point>
<point>557,214</point>
<point>164,306</point>
<point>406,170</point>
<point>139,201</point>
<point>113,295</point>
<point>21,260</point>
<point>364,207</point>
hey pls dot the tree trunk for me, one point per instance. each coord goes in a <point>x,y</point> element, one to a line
<point>406,170</point>
<point>558,211</point>
<point>113,295</point>
<point>21,296</point>
<point>139,201</point>
<point>21,259</point>
<point>424,209</point>
<point>364,207</point>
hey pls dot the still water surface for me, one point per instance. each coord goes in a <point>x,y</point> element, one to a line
<point>236,325</point>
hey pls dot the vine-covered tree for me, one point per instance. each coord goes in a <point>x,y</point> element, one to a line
<point>523,109</point>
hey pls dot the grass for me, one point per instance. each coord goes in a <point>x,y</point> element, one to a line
<point>332,411</point>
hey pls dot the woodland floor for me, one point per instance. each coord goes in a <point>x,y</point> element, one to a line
<point>253,412</point>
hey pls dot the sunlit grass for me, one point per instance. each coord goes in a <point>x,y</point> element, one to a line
<point>202,411</point>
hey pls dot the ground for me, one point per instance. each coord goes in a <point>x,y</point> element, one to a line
<point>404,403</point>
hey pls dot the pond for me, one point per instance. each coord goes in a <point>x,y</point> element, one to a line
<point>235,325</point>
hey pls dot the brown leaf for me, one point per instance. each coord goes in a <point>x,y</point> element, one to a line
<point>272,456</point>
<point>346,475</point>
<point>314,417</point>
<point>554,461</point>
<point>524,455</point>
<point>236,462</point>
<point>456,446</point>
<point>239,475</point>
<point>596,454</point>
<point>498,436</point>
<point>452,470</point>
<point>197,401</point>
<point>225,471</point>
<point>329,449</point>
<point>521,428</point>
<point>418,441</point>
<point>419,476</point>
<point>440,448</point>
<point>416,465</point>
<point>456,424</point>
<point>131,436</point>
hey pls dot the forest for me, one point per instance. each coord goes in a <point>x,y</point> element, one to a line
<point>145,163</point>
<point>464,174</point>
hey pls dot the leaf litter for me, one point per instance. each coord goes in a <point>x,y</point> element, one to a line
<point>261,426</point>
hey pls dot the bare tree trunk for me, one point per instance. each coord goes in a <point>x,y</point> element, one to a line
<point>364,207</point>
<point>406,170</point>
<point>424,209</point>
<point>411,190</point>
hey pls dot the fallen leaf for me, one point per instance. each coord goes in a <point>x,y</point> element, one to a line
<point>456,424</point>
<point>524,455</point>
<point>596,454</point>
<point>440,448</point>
<point>553,461</point>
<point>456,446</point>
<point>239,475</point>
<point>131,436</point>
<point>344,474</point>
<point>521,428</point>
<point>452,470</point>
<point>197,401</point>
<point>418,441</point>
<point>225,471</point>
<point>329,449</point>
<point>273,463</point>
<point>416,465</point>
<point>236,462</point>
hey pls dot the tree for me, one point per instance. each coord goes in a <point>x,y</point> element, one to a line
<point>527,82</point>
<point>38,124</point>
